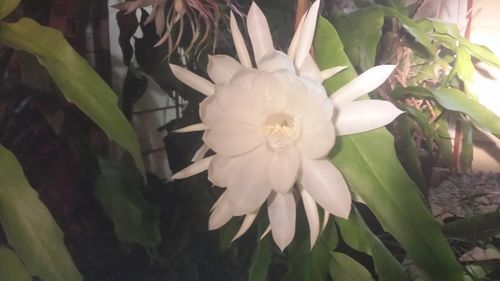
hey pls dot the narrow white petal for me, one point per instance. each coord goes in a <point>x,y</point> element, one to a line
<point>307,34</point>
<point>259,32</point>
<point>309,69</point>
<point>283,169</point>
<point>194,81</point>
<point>239,43</point>
<point>221,214</point>
<point>292,50</point>
<point>281,211</point>
<point>245,225</point>
<point>192,128</point>
<point>230,137</point>
<point>365,115</point>
<point>363,84</point>
<point>327,186</point>
<point>316,146</point>
<point>248,186</point>
<point>311,214</point>
<point>221,68</point>
<point>193,169</point>
<point>326,217</point>
<point>266,232</point>
<point>327,73</point>
<point>200,153</point>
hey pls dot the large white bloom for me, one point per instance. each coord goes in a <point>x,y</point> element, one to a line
<point>272,126</point>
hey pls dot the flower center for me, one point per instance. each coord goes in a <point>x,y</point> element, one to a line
<point>281,130</point>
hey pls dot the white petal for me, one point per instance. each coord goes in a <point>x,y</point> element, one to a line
<point>307,34</point>
<point>281,211</point>
<point>309,69</point>
<point>200,153</point>
<point>245,225</point>
<point>363,84</point>
<point>311,214</point>
<point>316,146</point>
<point>327,186</point>
<point>365,115</point>
<point>191,128</point>
<point>160,19</point>
<point>239,43</point>
<point>193,169</point>
<point>229,137</point>
<point>221,68</point>
<point>275,61</point>
<point>283,169</point>
<point>221,214</point>
<point>210,111</point>
<point>248,187</point>
<point>292,50</point>
<point>194,81</point>
<point>259,32</point>
<point>327,73</point>
<point>222,168</point>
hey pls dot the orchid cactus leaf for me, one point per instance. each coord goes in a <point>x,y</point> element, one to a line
<point>7,7</point>
<point>30,228</point>
<point>342,267</point>
<point>370,165</point>
<point>79,83</point>
<point>11,267</point>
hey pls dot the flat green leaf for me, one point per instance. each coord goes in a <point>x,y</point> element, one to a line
<point>481,53</point>
<point>342,267</point>
<point>358,236</point>
<point>463,65</point>
<point>119,190</point>
<point>370,166</point>
<point>312,264</point>
<point>478,227</point>
<point>8,6</point>
<point>29,226</point>
<point>79,83</point>
<point>261,260</point>
<point>360,32</point>
<point>11,267</point>
<point>453,99</point>
<point>467,153</point>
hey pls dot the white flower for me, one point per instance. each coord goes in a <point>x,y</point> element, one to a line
<point>271,128</point>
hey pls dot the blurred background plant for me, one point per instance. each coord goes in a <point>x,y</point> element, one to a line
<point>58,115</point>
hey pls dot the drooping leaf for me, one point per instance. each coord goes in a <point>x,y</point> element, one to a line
<point>358,236</point>
<point>11,267</point>
<point>456,100</point>
<point>7,7</point>
<point>29,226</point>
<point>464,66</point>
<point>467,153</point>
<point>342,267</point>
<point>312,264</point>
<point>360,32</point>
<point>413,29</point>
<point>261,260</point>
<point>119,190</point>
<point>370,166</point>
<point>79,83</point>
<point>481,53</point>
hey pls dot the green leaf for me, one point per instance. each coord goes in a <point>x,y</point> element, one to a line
<point>119,190</point>
<point>312,264</point>
<point>358,236</point>
<point>370,166</point>
<point>467,153</point>
<point>11,267</point>
<point>453,99</point>
<point>360,32</point>
<point>29,226</point>
<point>481,53</point>
<point>413,29</point>
<point>79,83</point>
<point>342,267</point>
<point>463,65</point>
<point>261,260</point>
<point>7,7</point>
<point>478,227</point>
